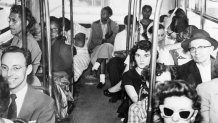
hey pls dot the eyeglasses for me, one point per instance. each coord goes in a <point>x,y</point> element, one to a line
<point>14,68</point>
<point>193,49</point>
<point>184,114</point>
<point>54,30</point>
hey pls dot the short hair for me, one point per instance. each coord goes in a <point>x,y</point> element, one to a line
<point>109,10</point>
<point>147,7</point>
<point>150,30</point>
<point>17,9</point>
<point>143,45</point>
<point>66,22</point>
<point>160,68</point>
<point>161,20</point>
<point>126,20</point>
<point>14,49</point>
<point>4,96</point>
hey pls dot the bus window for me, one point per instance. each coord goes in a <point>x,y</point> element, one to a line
<point>212,28</point>
<point>194,19</point>
<point>211,8</point>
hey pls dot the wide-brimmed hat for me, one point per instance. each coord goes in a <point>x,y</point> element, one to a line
<point>199,34</point>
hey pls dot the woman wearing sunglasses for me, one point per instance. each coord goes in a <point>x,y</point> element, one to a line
<point>178,102</point>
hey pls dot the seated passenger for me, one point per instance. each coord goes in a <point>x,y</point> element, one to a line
<point>101,42</point>
<point>26,102</point>
<point>82,58</point>
<point>137,111</point>
<point>16,30</point>
<point>209,101</point>
<point>164,56</point>
<point>61,66</point>
<point>177,102</point>
<point>145,22</point>
<point>131,80</point>
<point>203,67</point>
<point>116,64</point>
<point>61,52</point>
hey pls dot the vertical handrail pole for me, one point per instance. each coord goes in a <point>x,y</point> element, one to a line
<point>63,17</point>
<point>139,18</point>
<point>153,61</point>
<point>128,27</point>
<point>48,38</point>
<point>72,43</point>
<point>42,24</point>
<point>23,22</point>
<point>134,23</point>
<point>203,10</point>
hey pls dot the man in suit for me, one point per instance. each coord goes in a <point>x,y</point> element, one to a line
<point>102,37</point>
<point>203,67</point>
<point>28,104</point>
<point>209,101</point>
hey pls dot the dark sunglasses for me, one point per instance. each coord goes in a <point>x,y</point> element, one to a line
<point>184,114</point>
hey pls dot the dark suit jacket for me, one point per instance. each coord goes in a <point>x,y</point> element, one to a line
<point>37,107</point>
<point>96,34</point>
<point>190,71</point>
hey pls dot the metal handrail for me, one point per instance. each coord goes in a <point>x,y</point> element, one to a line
<point>48,38</point>
<point>42,24</point>
<point>63,17</point>
<point>153,61</point>
<point>128,27</point>
<point>72,41</point>
<point>23,22</point>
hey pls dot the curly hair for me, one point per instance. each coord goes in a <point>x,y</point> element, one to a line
<point>177,88</point>
<point>160,68</point>
<point>17,9</point>
<point>143,45</point>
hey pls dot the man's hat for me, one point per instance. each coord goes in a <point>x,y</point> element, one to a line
<point>199,34</point>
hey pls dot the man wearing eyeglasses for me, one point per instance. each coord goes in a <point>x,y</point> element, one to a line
<point>203,67</point>
<point>26,102</point>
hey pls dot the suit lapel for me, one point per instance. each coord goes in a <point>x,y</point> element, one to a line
<point>194,73</point>
<point>27,105</point>
<point>214,67</point>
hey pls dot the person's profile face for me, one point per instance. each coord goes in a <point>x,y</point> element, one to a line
<point>142,58</point>
<point>14,70</point>
<point>161,35</point>
<point>177,109</point>
<point>15,23</point>
<point>200,50</point>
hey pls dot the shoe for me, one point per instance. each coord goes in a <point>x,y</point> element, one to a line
<point>108,93</point>
<point>100,85</point>
<point>114,99</point>
<point>94,73</point>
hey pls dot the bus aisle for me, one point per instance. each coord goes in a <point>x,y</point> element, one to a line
<point>91,106</point>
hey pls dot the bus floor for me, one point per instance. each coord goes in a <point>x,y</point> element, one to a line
<point>91,106</point>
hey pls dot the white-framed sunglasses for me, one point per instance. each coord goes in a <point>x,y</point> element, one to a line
<point>183,114</point>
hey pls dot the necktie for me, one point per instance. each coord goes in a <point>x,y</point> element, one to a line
<point>12,110</point>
